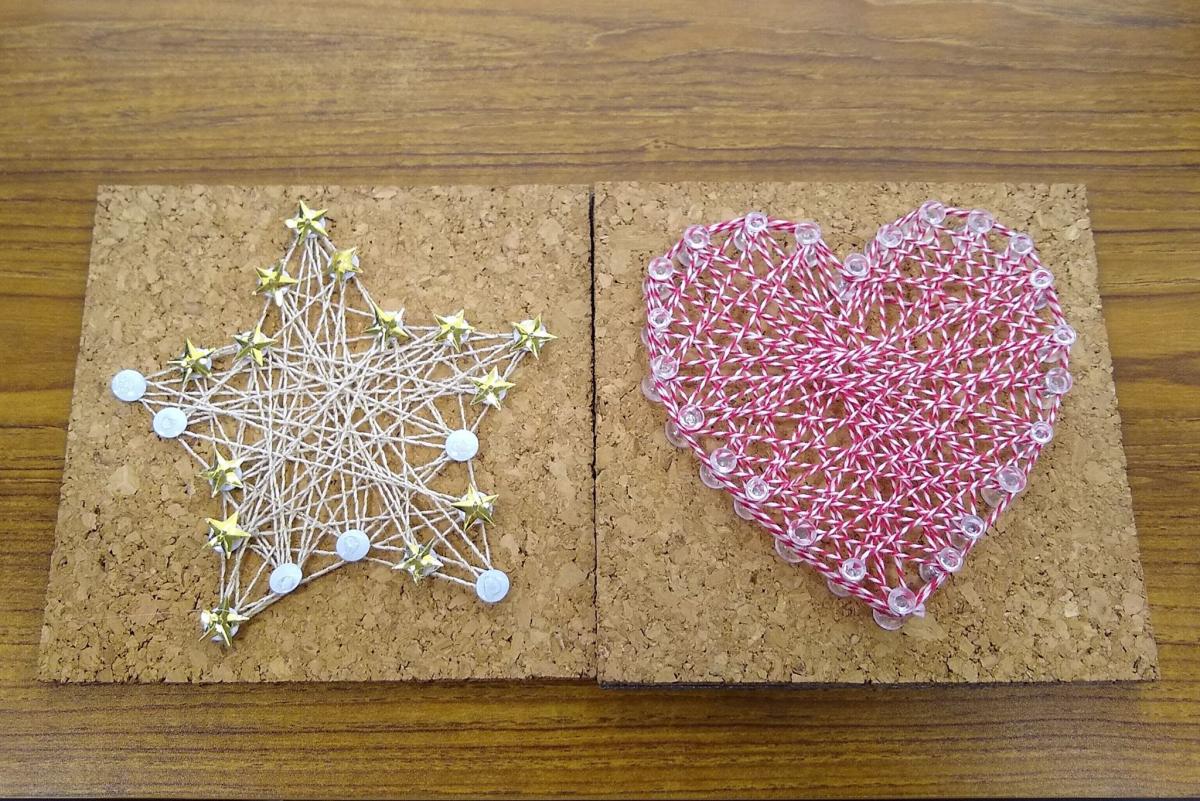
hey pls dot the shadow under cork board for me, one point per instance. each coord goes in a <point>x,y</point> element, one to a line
<point>130,571</point>
<point>688,593</point>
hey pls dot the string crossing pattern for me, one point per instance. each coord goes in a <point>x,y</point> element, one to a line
<point>326,438</point>
<point>875,414</point>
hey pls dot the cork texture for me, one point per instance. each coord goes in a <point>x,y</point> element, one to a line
<point>689,593</point>
<point>129,570</point>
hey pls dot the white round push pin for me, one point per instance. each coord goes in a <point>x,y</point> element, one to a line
<point>352,545</point>
<point>129,385</point>
<point>491,586</point>
<point>462,445</point>
<point>170,422</point>
<point>285,578</point>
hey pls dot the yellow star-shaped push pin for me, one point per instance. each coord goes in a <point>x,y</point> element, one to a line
<point>344,264</point>
<point>223,474</point>
<point>531,335</point>
<point>476,506</point>
<point>193,361</point>
<point>453,329</point>
<point>274,282</point>
<point>308,221</point>
<point>388,325</point>
<point>253,344</point>
<point>225,535</point>
<point>419,560</point>
<point>220,623</point>
<point>490,389</point>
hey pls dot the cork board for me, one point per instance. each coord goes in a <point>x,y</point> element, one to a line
<point>689,593</point>
<point>129,572</point>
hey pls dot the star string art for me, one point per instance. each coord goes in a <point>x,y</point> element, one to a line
<point>323,430</point>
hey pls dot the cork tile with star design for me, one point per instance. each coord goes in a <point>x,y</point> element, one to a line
<point>134,566</point>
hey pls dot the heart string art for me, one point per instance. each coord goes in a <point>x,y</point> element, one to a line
<point>875,414</point>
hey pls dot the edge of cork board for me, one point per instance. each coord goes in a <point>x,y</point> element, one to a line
<point>689,594</point>
<point>128,573</point>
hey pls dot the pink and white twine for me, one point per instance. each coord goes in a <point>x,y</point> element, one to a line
<point>875,414</point>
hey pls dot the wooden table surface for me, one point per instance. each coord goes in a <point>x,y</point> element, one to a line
<point>1104,92</point>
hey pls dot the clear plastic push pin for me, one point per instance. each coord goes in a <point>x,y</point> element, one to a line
<point>660,269</point>
<point>696,238</point>
<point>921,234</point>
<point>491,586</point>
<point>786,552</point>
<point>802,532</point>
<point>757,490</point>
<point>980,222</point>
<point>741,511</point>
<point>889,236</point>
<point>753,225</point>
<point>950,559</point>
<point>691,418</point>
<point>1041,278</point>
<point>170,422</point>
<point>1011,479</point>
<point>462,445</point>
<point>853,569</point>
<point>755,222</point>
<point>708,478</point>
<point>664,367</point>
<point>352,545</point>
<point>885,621</point>
<point>129,385</point>
<point>659,319</point>
<point>972,526</point>
<point>649,391</point>
<point>285,578</point>
<point>1020,244</point>
<point>1041,432</point>
<point>674,436</point>
<point>1063,335</point>
<point>933,212</point>
<point>1058,381</point>
<point>928,571</point>
<point>902,601</point>
<point>722,461</point>
<point>856,266</point>
<point>808,233</point>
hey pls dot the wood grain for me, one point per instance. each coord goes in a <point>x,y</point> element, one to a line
<point>1104,92</point>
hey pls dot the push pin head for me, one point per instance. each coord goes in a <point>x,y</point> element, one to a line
<point>933,212</point>
<point>856,266</point>
<point>696,238</point>
<point>808,233</point>
<point>980,222</point>
<point>853,569</point>
<point>661,269</point>
<point>129,385</point>
<point>757,490</point>
<point>492,586</point>
<point>691,418</point>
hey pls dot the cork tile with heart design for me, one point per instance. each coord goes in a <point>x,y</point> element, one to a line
<point>885,401</point>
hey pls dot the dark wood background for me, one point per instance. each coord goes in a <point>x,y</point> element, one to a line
<point>1104,92</point>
